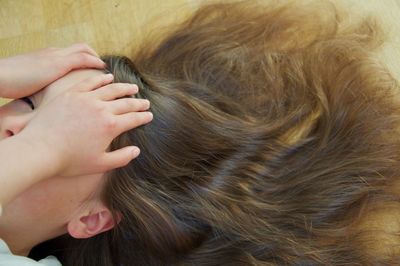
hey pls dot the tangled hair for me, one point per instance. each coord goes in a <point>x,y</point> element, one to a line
<point>275,136</point>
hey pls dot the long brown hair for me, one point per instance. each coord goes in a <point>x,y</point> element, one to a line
<point>275,132</point>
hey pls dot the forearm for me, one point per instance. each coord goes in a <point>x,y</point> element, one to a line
<point>22,164</point>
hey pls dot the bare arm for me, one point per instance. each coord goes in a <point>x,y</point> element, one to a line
<point>23,163</point>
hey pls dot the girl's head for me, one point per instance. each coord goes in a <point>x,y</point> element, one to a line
<point>274,132</point>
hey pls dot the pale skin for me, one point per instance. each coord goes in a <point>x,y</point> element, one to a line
<point>23,75</point>
<point>53,155</point>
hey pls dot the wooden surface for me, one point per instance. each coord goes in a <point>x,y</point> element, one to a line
<point>115,26</point>
<point>107,25</point>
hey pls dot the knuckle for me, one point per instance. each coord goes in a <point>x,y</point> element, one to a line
<point>83,57</point>
<point>143,117</point>
<point>118,88</point>
<point>127,103</point>
<point>107,77</point>
<point>129,89</point>
<point>99,108</point>
<point>110,124</point>
<point>139,103</point>
<point>99,78</point>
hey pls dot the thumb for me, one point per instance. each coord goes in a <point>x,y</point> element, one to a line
<point>120,157</point>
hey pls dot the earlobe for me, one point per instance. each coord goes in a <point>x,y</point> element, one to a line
<point>92,224</point>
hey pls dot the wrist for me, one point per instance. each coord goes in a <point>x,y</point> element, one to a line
<point>44,153</point>
<point>24,162</point>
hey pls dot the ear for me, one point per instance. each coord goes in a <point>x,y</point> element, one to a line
<point>93,223</point>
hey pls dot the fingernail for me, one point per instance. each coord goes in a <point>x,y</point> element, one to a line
<point>135,88</point>
<point>135,151</point>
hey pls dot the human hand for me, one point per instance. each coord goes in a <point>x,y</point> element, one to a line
<point>77,126</point>
<point>25,74</point>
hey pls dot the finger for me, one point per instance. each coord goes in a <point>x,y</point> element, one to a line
<point>132,120</point>
<point>80,48</point>
<point>127,105</point>
<point>116,90</point>
<point>83,60</point>
<point>120,157</point>
<point>95,82</point>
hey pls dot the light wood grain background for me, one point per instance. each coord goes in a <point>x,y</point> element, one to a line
<point>109,26</point>
<point>115,26</point>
